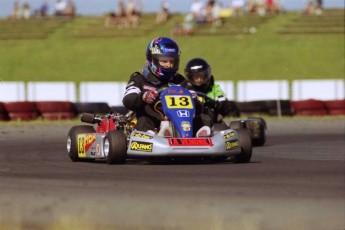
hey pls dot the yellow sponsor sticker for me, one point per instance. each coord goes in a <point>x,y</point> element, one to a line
<point>81,145</point>
<point>142,135</point>
<point>232,145</point>
<point>84,143</point>
<point>229,135</point>
<point>179,101</point>
<point>141,146</point>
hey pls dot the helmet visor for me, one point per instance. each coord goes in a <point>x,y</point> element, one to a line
<point>198,79</point>
<point>166,61</point>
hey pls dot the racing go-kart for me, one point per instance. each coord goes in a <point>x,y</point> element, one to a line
<point>256,126</point>
<point>116,140</point>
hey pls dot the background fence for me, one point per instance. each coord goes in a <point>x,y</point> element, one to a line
<point>112,92</point>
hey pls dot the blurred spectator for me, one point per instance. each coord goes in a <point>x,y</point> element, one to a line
<point>122,14</point>
<point>70,9</point>
<point>63,8</point>
<point>270,6</point>
<point>164,14</point>
<point>257,6</point>
<point>261,7</point>
<point>319,4</point>
<point>122,8</point>
<point>279,6</point>
<point>213,13</point>
<point>17,11</point>
<point>111,20</point>
<point>26,10</point>
<point>60,7</point>
<point>313,7</point>
<point>274,6</point>
<point>132,17</point>
<point>131,7</point>
<point>183,30</point>
<point>43,11</point>
<point>127,16</point>
<point>198,11</point>
<point>238,6</point>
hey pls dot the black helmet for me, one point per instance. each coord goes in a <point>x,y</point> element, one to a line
<point>198,73</point>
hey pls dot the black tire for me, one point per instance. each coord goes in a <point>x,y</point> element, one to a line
<point>262,121</point>
<point>72,141</point>
<point>246,147</point>
<point>115,147</point>
<point>263,132</point>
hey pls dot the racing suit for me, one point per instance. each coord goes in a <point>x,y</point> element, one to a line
<point>147,117</point>
<point>219,104</point>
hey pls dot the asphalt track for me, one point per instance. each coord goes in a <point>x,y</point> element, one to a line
<point>296,181</point>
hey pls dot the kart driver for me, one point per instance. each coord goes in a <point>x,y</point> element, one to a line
<point>198,73</point>
<point>160,70</point>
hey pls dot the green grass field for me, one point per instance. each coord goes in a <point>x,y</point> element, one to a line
<point>83,50</point>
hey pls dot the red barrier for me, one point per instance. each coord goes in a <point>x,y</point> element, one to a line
<point>335,107</point>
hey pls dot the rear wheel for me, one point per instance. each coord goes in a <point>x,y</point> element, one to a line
<point>262,131</point>
<point>115,147</point>
<point>72,140</point>
<point>246,147</point>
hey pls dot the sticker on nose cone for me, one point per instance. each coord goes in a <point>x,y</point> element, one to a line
<point>230,145</point>
<point>141,146</point>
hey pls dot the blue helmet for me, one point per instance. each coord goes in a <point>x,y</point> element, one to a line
<point>158,49</point>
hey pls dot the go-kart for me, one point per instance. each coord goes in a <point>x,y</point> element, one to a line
<point>256,126</point>
<point>116,140</point>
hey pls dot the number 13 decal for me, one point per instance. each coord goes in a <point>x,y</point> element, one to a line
<point>178,102</point>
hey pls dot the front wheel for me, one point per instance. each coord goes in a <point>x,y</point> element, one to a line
<point>115,147</point>
<point>246,147</point>
<point>72,140</point>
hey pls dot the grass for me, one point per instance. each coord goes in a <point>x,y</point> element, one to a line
<point>82,50</point>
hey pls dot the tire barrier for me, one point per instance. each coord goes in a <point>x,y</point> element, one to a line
<point>63,110</point>
<point>335,107</point>
<point>309,108</point>
<point>3,113</point>
<point>58,116</point>
<point>252,107</point>
<point>56,110</point>
<point>23,110</point>
<point>279,108</point>
<point>91,107</point>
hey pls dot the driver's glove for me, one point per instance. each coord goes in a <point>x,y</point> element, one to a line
<point>149,96</point>
<point>194,94</point>
<point>211,103</point>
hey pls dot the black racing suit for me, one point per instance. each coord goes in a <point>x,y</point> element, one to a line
<point>147,117</point>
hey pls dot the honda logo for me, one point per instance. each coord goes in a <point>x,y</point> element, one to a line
<point>183,113</point>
